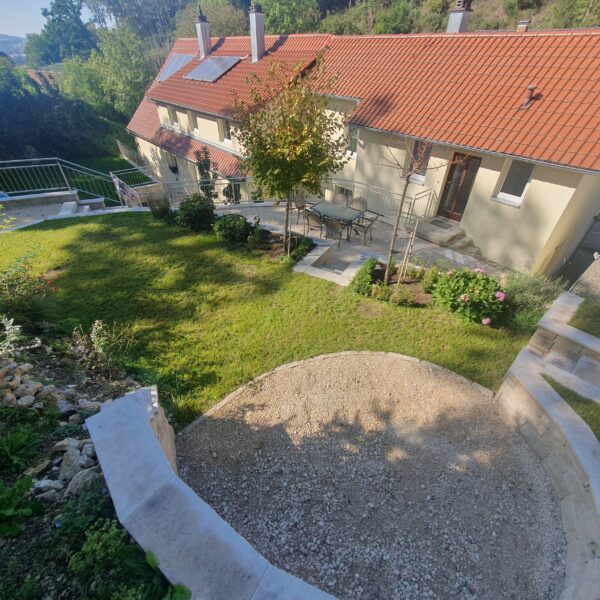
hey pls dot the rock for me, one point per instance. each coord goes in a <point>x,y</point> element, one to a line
<point>8,363</point>
<point>82,482</point>
<point>26,401</point>
<point>50,496</point>
<point>13,382</point>
<point>34,387</point>
<point>39,468</point>
<point>47,392</point>
<point>9,400</point>
<point>85,462</point>
<point>45,485</point>
<point>65,409</point>
<point>75,419</point>
<point>70,465</point>
<point>64,445</point>
<point>38,405</point>
<point>25,367</point>
<point>90,404</point>
<point>89,450</point>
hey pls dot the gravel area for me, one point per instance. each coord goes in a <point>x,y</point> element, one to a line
<point>372,476</point>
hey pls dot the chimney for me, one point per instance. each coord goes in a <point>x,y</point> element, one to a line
<point>257,31</point>
<point>523,25</point>
<point>531,97</point>
<point>458,21</point>
<point>203,34</point>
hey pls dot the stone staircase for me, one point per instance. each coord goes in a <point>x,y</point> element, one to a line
<point>447,233</point>
<point>81,207</point>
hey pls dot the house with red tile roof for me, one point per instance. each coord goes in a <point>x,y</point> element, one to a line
<point>510,120</point>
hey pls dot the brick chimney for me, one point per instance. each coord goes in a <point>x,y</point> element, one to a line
<point>203,34</point>
<point>459,18</point>
<point>523,25</point>
<point>257,31</point>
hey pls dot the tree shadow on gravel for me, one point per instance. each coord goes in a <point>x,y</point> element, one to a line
<point>382,507</point>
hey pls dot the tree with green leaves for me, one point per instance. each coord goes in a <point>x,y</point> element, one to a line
<point>63,36</point>
<point>224,18</point>
<point>396,18</point>
<point>289,137</point>
<point>291,16</point>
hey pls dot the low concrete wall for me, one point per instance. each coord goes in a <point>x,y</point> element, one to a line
<point>195,547</point>
<point>39,199</point>
<point>564,443</point>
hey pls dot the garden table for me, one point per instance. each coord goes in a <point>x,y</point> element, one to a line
<point>344,214</point>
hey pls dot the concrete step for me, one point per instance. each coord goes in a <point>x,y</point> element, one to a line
<point>68,208</point>
<point>440,231</point>
<point>588,368</point>
<point>93,203</point>
<point>461,242</point>
<point>85,208</point>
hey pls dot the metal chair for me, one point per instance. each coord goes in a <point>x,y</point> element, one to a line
<point>334,229</point>
<point>300,206</point>
<point>359,203</point>
<point>364,226</point>
<point>313,221</point>
<point>340,199</point>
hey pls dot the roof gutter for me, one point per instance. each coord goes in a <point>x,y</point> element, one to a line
<point>158,101</point>
<point>480,151</point>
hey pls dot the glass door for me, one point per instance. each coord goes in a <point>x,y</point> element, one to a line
<point>459,182</point>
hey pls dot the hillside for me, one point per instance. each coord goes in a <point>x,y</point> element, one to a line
<point>14,46</point>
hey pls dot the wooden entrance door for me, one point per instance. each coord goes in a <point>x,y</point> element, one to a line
<point>459,182</point>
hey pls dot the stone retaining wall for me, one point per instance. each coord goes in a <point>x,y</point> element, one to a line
<point>193,545</point>
<point>564,443</point>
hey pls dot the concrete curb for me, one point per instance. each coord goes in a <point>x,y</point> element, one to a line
<point>566,446</point>
<point>194,547</point>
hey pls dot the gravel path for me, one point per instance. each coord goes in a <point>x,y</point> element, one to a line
<point>375,477</point>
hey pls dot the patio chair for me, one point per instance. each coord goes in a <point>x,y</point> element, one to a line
<point>340,199</point>
<point>300,205</point>
<point>359,203</point>
<point>365,225</point>
<point>313,222</point>
<point>334,229</point>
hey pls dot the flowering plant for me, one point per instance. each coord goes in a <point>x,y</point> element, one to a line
<point>474,295</point>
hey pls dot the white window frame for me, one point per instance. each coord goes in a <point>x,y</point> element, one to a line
<point>510,199</point>
<point>419,178</point>
<point>349,152</point>
<point>226,124</point>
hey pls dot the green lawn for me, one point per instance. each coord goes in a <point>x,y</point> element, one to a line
<point>587,317</point>
<point>207,319</point>
<point>105,164</point>
<point>587,409</point>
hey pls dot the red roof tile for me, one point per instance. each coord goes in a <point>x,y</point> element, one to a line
<point>459,89</point>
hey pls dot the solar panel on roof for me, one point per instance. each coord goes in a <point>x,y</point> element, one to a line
<point>173,64</point>
<point>213,67</point>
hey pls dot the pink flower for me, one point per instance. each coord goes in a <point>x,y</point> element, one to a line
<point>500,295</point>
<point>478,270</point>
<point>464,297</point>
<point>486,321</point>
<point>450,273</point>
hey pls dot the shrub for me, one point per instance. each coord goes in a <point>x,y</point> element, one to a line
<point>430,278</point>
<point>380,291</point>
<point>233,228</point>
<point>13,506</point>
<point>402,296</point>
<point>302,247</point>
<point>197,213</point>
<point>363,280</point>
<point>164,213</point>
<point>18,447</point>
<point>415,272</point>
<point>473,295</point>
<point>103,348</point>
<point>258,237</point>
<point>20,289</point>
<point>10,334</point>
<point>529,296</point>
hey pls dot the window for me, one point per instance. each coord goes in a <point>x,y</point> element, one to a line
<point>226,131</point>
<point>515,182</point>
<point>172,164</point>
<point>173,118</point>
<point>421,153</point>
<point>352,141</point>
<point>338,189</point>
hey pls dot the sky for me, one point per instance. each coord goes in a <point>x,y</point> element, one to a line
<point>19,17</point>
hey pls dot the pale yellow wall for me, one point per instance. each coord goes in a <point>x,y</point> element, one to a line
<point>515,236</point>
<point>159,163</point>
<point>572,225</point>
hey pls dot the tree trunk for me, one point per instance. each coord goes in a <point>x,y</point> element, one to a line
<point>395,231</point>
<point>286,229</point>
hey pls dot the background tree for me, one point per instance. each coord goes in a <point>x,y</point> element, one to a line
<point>289,137</point>
<point>291,16</point>
<point>225,19</point>
<point>63,36</point>
<point>397,18</point>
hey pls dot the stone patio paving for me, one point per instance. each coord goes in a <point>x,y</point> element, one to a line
<point>339,258</point>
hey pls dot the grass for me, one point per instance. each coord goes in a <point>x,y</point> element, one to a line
<point>105,164</point>
<point>587,409</point>
<point>587,317</point>
<point>207,318</point>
